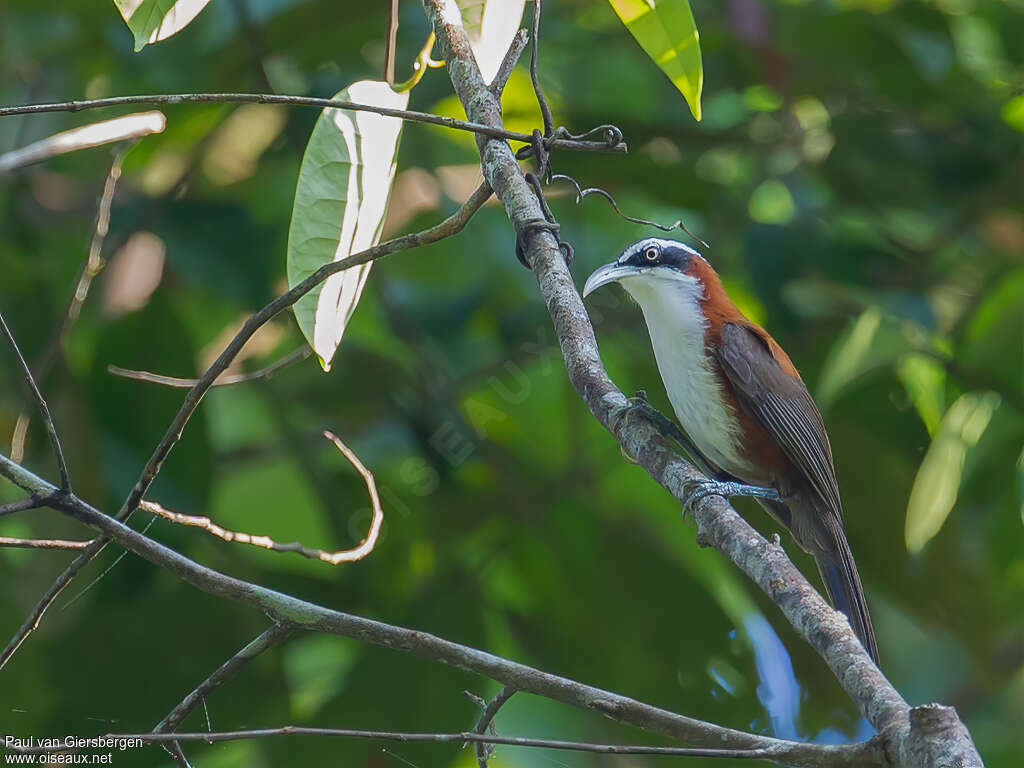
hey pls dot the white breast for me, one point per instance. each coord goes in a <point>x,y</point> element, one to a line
<point>676,325</point>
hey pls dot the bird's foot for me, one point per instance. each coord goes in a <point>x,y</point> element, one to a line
<point>669,430</point>
<point>696,490</point>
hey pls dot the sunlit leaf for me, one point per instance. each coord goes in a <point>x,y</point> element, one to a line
<point>872,341</point>
<point>924,379</point>
<point>153,20</point>
<point>490,26</point>
<point>666,30</point>
<point>340,202</point>
<point>938,478</point>
<point>1013,112</point>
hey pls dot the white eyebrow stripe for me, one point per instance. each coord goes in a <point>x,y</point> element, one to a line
<point>660,242</point>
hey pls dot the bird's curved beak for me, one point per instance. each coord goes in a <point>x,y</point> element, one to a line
<point>609,273</point>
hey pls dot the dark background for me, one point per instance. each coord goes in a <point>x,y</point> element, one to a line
<point>858,174</point>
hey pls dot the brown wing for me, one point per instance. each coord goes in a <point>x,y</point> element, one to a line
<point>782,405</point>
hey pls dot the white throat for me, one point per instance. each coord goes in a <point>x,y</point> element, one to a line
<point>676,324</point>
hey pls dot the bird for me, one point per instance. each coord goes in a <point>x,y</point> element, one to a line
<point>743,407</point>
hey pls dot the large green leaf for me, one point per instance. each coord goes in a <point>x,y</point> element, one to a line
<point>873,341</point>
<point>340,202</point>
<point>490,26</point>
<point>153,20</point>
<point>938,478</point>
<point>666,30</point>
<point>924,379</point>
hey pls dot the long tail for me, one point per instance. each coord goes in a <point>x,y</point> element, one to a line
<point>842,581</point>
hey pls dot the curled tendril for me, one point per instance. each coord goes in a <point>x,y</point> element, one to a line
<point>610,134</point>
<point>582,193</point>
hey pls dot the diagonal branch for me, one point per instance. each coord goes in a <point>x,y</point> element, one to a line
<point>270,637</point>
<point>450,226</point>
<point>91,267</point>
<point>484,750</point>
<point>718,524</point>
<point>300,614</point>
<point>44,409</point>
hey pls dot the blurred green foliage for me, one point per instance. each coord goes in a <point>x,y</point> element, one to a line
<point>858,174</point>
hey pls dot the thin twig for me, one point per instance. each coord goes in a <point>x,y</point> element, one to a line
<point>450,226</point>
<point>545,109</point>
<point>582,193</point>
<point>718,524</point>
<point>85,137</point>
<point>44,409</point>
<point>303,101</point>
<point>508,63</point>
<point>391,44</point>
<point>7,541</point>
<point>305,615</point>
<point>225,381</point>
<point>20,506</point>
<point>333,558</point>
<point>267,639</point>
<point>91,266</point>
<point>217,737</point>
<point>486,724</point>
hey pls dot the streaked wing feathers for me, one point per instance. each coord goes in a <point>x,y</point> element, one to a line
<point>782,405</point>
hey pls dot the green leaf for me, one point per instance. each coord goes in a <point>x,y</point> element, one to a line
<point>873,341</point>
<point>340,202</point>
<point>938,478</point>
<point>1013,112</point>
<point>153,20</point>
<point>924,379</point>
<point>666,30</point>
<point>490,27</point>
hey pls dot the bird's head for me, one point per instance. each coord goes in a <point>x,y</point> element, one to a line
<point>656,270</point>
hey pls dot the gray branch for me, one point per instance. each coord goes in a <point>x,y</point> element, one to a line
<point>450,226</point>
<point>300,614</point>
<point>718,524</point>
<point>567,143</point>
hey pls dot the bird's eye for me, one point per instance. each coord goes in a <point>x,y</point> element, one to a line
<point>651,254</point>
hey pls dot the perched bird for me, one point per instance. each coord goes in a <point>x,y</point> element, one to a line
<point>743,406</point>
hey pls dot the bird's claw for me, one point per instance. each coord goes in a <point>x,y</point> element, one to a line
<point>696,490</point>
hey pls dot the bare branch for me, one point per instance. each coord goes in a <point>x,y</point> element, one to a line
<point>44,409</point>
<point>173,381</point>
<point>333,558</point>
<point>267,639</point>
<point>305,101</point>
<point>515,50</point>
<point>435,738</point>
<point>582,193</point>
<point>7,541</point>
<point>301,614</point>
<point>718,524</point>
<point>20,506</point>
<point>391,43</point>
<point>84,137</point>
<point>486,724</point>
<point>92,266</point>
<point>450,226</point>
